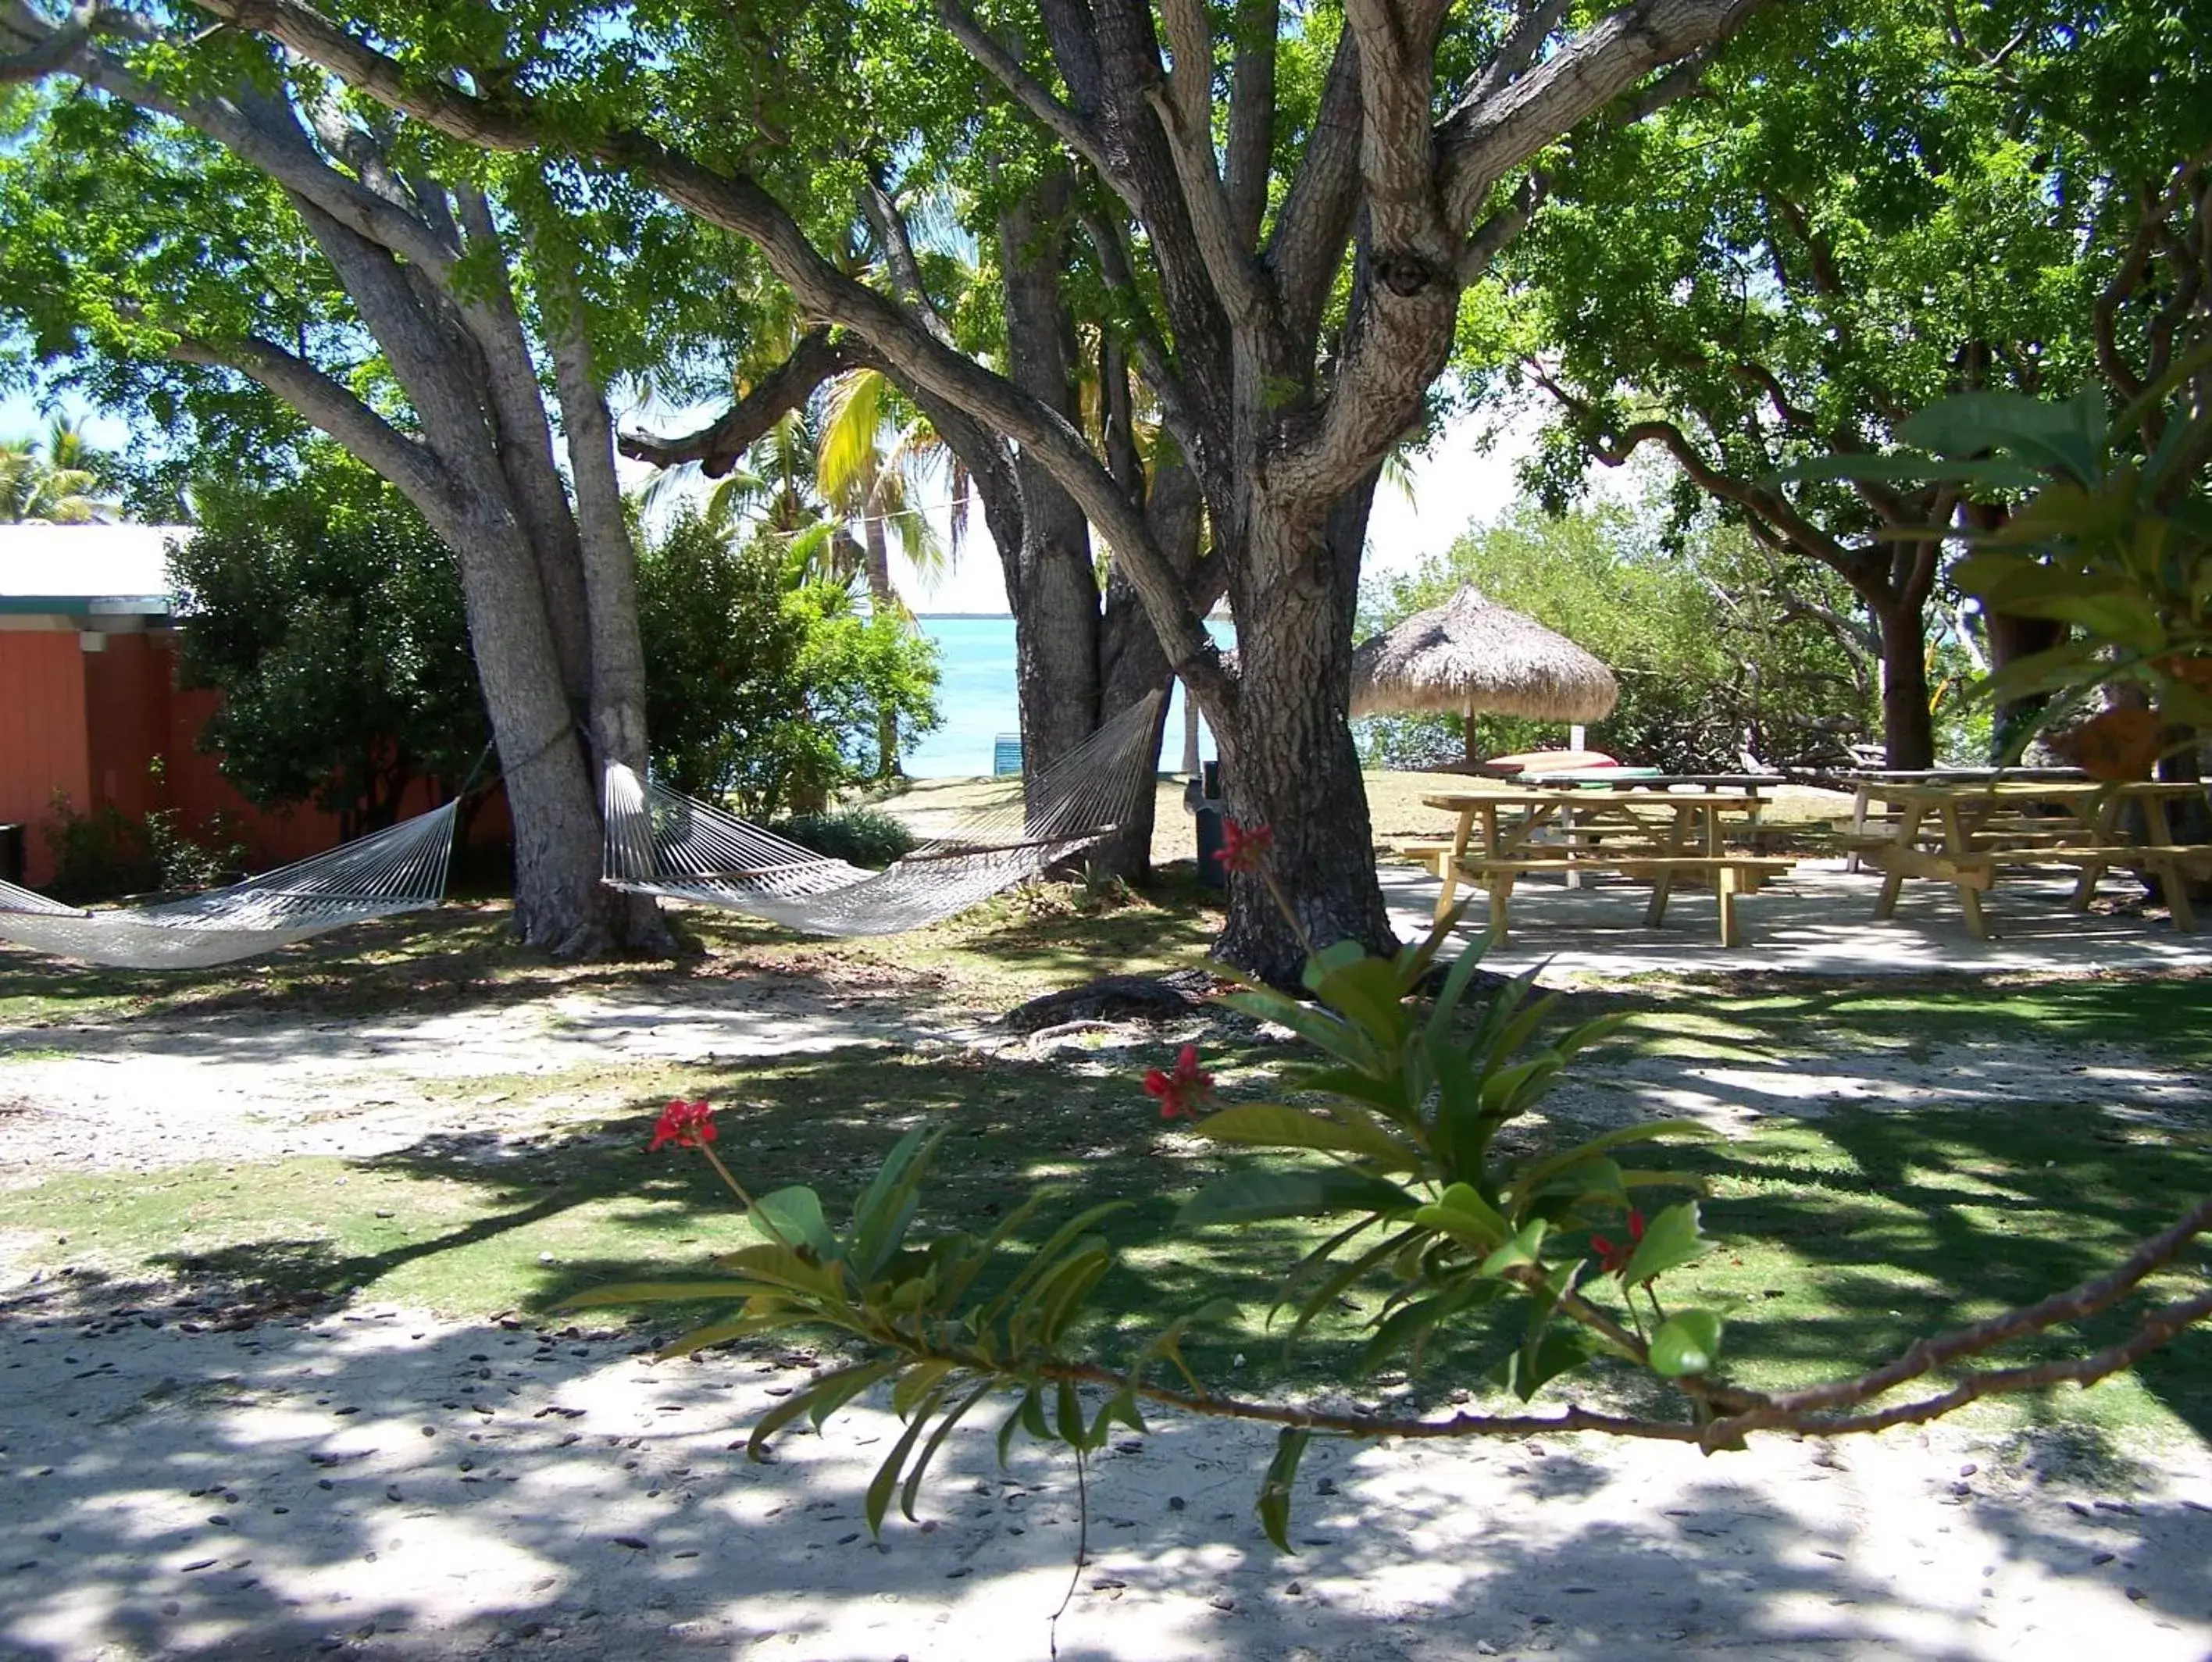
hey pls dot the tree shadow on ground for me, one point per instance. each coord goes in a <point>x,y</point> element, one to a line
<point>360,1482</point>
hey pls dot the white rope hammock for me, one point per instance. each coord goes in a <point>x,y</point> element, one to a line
<point>400,869</point>
<point>661,843</point>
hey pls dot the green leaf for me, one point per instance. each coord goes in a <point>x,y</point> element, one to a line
<point>657,1292</point>
<point>847,1382</point>
<point>1278,1125</point>
<point>1253,1193</point>
<point>1366,993</point>
<point>1560,1350</point>
<point>792,1217</point>
<point>1068,1412</point>
<point>885,1210</point>
<point>1016,1416</point>
<point>910,1490</point>
<point>1523,1249</point>
<point>1687,1341</point>
<point>1051,1253</point>
<point>2047,436</point>
<point>878,1499</point>
<point>1540,1174</point>
<point>722,1332</point>
<point>1457,982</point>
<point>1275,1487</point>
<point>1338,1038</point>
<point>1671,1239</point>
<point>916,1382</point>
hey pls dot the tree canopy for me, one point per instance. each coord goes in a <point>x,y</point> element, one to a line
<point>1868,205</point>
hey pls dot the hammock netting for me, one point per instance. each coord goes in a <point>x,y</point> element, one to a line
<point>659,842</point>
<point>401,869</point>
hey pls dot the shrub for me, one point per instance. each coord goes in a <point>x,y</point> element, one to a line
<point>859,836</point>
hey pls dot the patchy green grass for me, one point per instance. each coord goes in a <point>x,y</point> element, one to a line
<point>2166,1016</point>
<point>1840,1239</point>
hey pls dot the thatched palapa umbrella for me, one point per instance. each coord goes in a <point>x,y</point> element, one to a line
<point>1472,654</point>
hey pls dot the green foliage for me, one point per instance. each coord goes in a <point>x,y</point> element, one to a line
<point>1403,1111</point>
<point>330,617</point>
<point>1719,647</point>
<point>858,836</point>
<point>98,856</point>
<point>762,686</point>
<point>2108,532</point>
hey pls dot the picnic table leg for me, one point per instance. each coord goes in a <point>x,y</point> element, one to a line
<point>1450,873</point>
<point>2171,877</point>
<point>1726,886</point>
<point>1957,844</point>
<point>1573,878</point>
<point>2101,827</point>
<point>1859,798</point>
<point>1892,882</point>
<point>1500,884</point>
<point>1662,880</point>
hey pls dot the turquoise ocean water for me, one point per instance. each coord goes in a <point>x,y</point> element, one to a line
<point>976,658</point>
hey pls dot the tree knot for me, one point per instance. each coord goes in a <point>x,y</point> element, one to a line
<point>1402,273</point>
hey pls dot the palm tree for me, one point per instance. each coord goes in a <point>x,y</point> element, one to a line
<point>59,486</point>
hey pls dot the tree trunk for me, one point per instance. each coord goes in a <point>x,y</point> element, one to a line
<point>609,561</point>
<point>882,599</point>
<point>1050,581</point>
<point>1908,726</point>
<point>1288,758</point>
<point>1131,667</point>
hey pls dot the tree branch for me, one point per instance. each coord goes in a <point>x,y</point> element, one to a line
<point>1481,142</point>
<point>408,464</point>
<point>736,202</point>
<point>716,447</point>
<point>898,254</point>
<point>1314,223</point>
<point>1184,103</point>
<point>1033,95</point>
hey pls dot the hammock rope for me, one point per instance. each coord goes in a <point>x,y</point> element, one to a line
<point>399,868</point>
<point>659,842</point>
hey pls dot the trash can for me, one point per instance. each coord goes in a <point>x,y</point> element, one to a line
<point>14,854</point>
<point>1206,808</point>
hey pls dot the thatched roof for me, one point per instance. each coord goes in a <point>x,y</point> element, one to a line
<point>1471,650</point>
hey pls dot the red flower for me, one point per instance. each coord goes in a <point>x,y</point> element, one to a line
<point>1243,847</point>
<point>1611,1258</point>
<point>1184,1090</point>
<point>687,1124</point>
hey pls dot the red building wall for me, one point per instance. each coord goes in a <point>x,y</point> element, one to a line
<point>94,726</point>
<point>43,741</point>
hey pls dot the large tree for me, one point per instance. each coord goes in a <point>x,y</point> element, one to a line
<point>1870,204</point>
<point>1286,205</point>
<point>193,221</point>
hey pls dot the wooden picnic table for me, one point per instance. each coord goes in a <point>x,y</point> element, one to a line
<point>1865,783</point>
<point>1642,833</point>
<point>2008,822</point>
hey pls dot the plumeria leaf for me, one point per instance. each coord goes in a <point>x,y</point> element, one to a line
<point>1687,1341</point>
<point>1560,1350</point>
<point>1278,1125</point>
<point>1523,1248</point>
<point>793,1217</point>
<point>1275,1487</point>
<point>910,1491</point>
<point>1671,1239</point>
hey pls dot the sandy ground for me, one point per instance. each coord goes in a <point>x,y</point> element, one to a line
<point>377,1481</point>
<point>381,1484</point>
